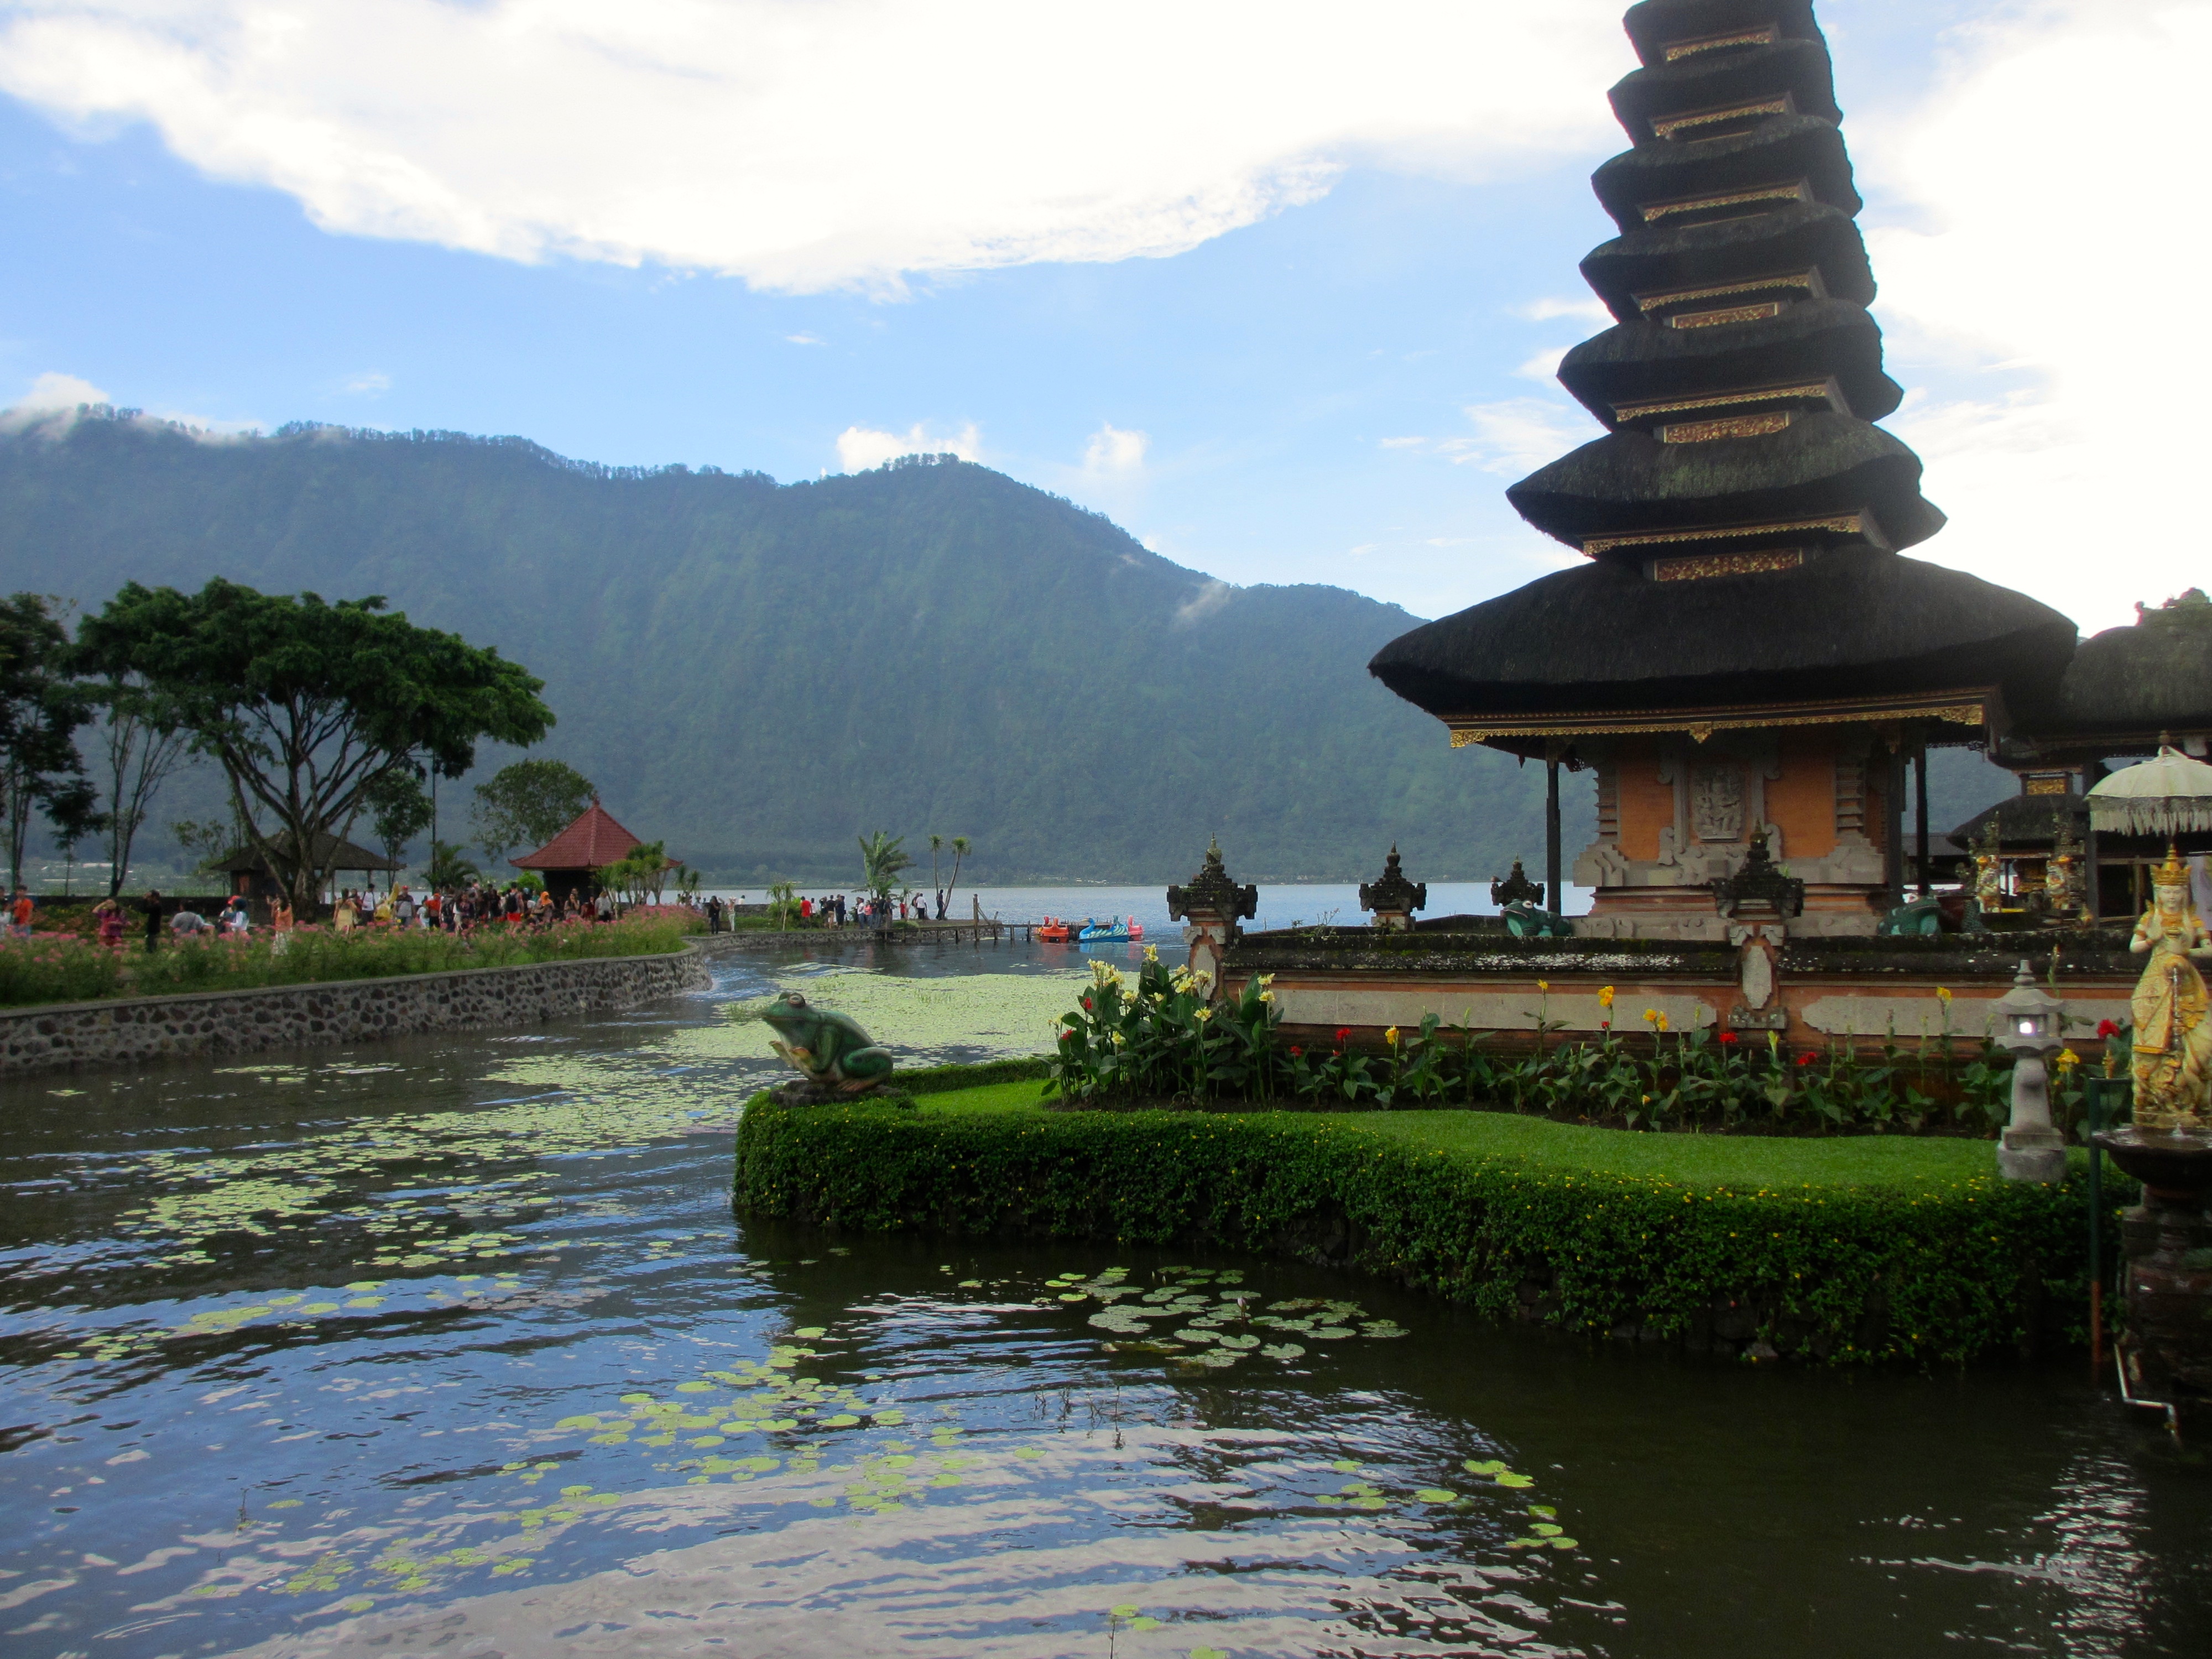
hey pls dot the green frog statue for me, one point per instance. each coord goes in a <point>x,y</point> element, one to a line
<point>830,1049</point>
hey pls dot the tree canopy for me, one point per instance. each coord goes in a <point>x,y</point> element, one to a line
<point>310,706</point>
<point>42,707</point>
<point>528,803</point>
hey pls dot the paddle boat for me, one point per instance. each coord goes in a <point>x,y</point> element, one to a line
<point>1112,933</point>
<point>1054,930</point>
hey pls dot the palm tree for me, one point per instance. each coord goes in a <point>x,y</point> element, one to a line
<point>935,843</point>
<point>959,852</point>
<point>883,860</point>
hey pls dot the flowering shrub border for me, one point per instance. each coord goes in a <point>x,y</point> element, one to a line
<point>1843,1273</point>
<point>60,968</point>
<point>1162,1040</point>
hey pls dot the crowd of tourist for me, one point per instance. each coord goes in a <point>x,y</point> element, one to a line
<point>480,904</point>
<point>831,910</point>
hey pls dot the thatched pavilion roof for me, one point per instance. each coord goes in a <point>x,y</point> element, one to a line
<point>1850,623</point>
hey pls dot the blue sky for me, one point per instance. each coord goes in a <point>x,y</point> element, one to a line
<point>1283,310</point>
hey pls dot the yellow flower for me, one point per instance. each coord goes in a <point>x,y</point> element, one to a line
<point>1605,997</point>
<point>1390,1036</point>
<point>1266,996</point>
<point>1202,1015</point>
<point>1651,1016</point>
<point>1267,979</point>
<point>1943,993</point>
<point>1543,985</point>
<point>2068,1059</point>
<point>1663,1022</point>
<point>1152,953</point>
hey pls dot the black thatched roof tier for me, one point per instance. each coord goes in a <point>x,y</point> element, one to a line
<point>1820,464</point>
<point>1851,622</point>
<point>1816,339</point>
<point>1796,70</point>
<point>1672,179</point>
<point>1655,25</point>
<point>1803,236</point>
<point>2137,682</point>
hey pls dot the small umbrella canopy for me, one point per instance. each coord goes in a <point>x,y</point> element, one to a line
<point>2170,795</point>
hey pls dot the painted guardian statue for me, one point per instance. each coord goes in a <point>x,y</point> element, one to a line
<point>830,1049</point>
<point>2172,1038</point>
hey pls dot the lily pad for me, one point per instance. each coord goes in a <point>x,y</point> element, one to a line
<point>1282,1351</point>
<point>1437,1495</point>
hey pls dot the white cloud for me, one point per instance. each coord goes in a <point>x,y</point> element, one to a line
<point>52,393</point>
<point>810,144</point>
<point>2041,271</point>
<point>859,447</point>
<point>1544,366</point>
<point>1518,436</point>
<point>803,339</point>
<point>1586,308</point>
<point>369,384</point>
<point>1112,452</point>
<point>1403,443</point>
<point>1209,597</point>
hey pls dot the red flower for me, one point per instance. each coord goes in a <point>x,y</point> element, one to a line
<point>1086,1004</point>
<point>1804,1059</point>
<point>1295,1052</point>
<point>2107,1028</point>
<point>1728,1036</point>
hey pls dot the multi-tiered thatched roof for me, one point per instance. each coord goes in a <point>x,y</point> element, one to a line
<point>1742,516</point>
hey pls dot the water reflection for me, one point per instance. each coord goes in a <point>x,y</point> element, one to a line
<point>454,1345</point>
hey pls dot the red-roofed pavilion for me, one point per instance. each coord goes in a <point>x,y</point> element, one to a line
<point>572,859</point>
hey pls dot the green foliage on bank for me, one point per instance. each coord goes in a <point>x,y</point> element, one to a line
<point>54,968</point>
<point>1840,1251</point>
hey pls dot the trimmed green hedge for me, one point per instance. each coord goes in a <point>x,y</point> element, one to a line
<point>1850,1270</point>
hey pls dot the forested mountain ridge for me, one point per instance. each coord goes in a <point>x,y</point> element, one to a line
<point>757,671</point>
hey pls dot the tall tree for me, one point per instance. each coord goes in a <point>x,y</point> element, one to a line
<point>307,706</point>
<point>42,707</point>
<point>140,743</point>
<point>960,850</point>
<point>399,809</point>
<point>529,803</point>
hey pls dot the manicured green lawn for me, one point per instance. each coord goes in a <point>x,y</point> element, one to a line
<point>1734,1161</point>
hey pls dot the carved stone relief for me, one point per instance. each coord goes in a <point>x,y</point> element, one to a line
<point>1716,803</point>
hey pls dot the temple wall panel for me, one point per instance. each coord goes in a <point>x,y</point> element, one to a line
<point>1646,804</point>
<point>1801,801</point>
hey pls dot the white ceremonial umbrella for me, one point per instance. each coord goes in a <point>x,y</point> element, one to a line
<point>2169,795</point>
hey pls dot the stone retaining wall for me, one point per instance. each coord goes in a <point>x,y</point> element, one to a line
<point>125,1031</point>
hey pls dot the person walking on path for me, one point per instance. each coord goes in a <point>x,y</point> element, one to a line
<point>108,915</point>
<point>280,926</point>
<point>152,906</point>
<point>19,913</point>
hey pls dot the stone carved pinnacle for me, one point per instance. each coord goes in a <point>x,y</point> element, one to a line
<point>1213,891</point>
<point>1394,894</point>
<point>1759,881</point>
<point>1516,889</point>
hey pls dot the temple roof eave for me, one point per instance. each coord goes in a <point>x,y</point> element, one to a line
<point>1822,463</point>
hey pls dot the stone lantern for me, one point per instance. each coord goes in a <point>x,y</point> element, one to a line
<point>1210,906</point>
<point>1393,899</point>
<point>2030,1026</point>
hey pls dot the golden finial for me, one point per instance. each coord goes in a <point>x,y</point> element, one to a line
<point>2174,872</point>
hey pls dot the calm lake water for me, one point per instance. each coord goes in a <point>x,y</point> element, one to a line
<point>454,1347</point>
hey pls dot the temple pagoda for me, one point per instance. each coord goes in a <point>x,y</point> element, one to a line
<point>1745,651</point>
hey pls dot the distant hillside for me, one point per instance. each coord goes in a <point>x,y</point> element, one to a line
<point>757,671</point>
